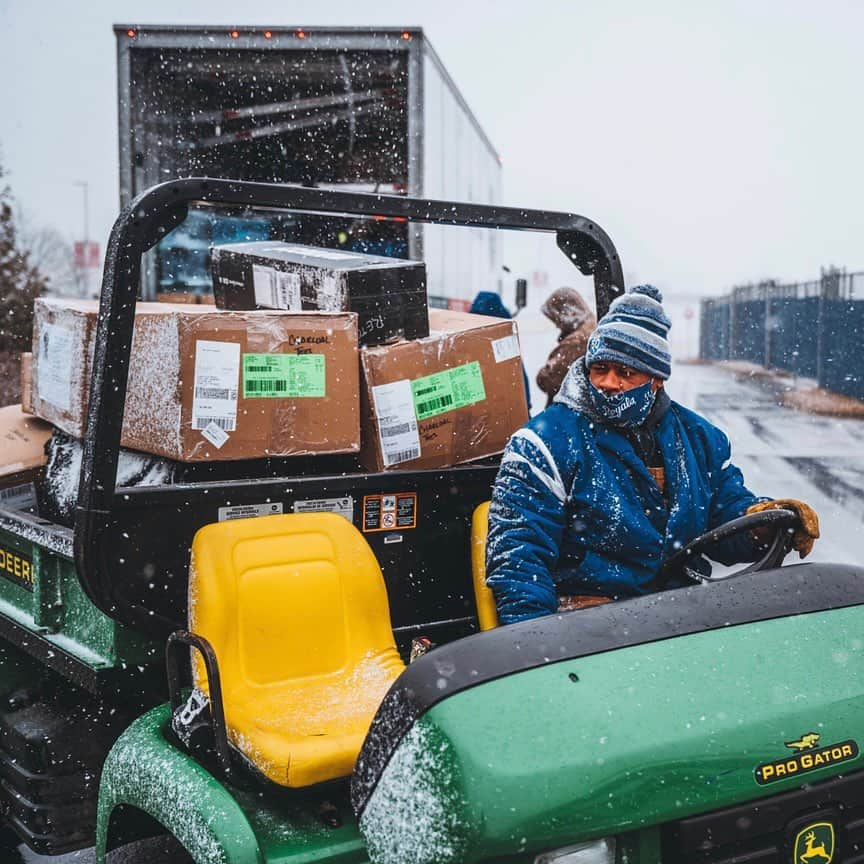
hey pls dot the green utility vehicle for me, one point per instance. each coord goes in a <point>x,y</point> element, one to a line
<point>713,723</point>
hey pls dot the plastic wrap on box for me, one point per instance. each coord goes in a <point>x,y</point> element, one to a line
<point>206,385</point>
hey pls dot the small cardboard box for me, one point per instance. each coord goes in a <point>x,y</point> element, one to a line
<point>22,454</point>
<point>454,396</point>
<point>208,385</point>
<point>388,294</point>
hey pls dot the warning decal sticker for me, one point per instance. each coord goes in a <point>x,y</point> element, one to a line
<point>390,512</point>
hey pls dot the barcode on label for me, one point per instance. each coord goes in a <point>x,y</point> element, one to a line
<point>434,404</point>
<point>266,386</point>
<point>401,456</point>
<point>228,424</point>
<point>393,431</point>
<point>19,497</point>
<point>214,393</point>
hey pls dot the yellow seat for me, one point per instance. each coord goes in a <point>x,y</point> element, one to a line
<point>296,611</point>
<point>487,613</point>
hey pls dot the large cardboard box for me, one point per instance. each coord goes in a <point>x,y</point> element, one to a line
<point>209,385</point>
<point>22,455</point>
<point>455,396</point>
<point>388,294</point>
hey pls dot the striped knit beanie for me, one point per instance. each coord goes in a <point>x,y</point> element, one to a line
<point>633,332</point>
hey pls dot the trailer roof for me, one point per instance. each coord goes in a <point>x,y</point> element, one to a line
<point>264,37</point>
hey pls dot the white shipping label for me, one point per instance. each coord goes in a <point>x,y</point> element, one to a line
<point>276,289</point>
<point>506,348</point>
<point>215,435</point>
<point>397,422</point>
<point>249,511</point>
<point>18,497</point>
<point>217,372</point>
<point>342,506</point>
<point>54,366</point>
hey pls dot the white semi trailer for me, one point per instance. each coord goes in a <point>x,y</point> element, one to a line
<point>343,108</point>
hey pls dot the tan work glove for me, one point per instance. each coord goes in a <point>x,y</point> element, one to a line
<point>808,529</point>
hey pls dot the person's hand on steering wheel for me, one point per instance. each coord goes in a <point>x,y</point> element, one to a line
<point>807,532</point>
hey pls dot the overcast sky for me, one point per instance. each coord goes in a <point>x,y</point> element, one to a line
<point>715,142</point>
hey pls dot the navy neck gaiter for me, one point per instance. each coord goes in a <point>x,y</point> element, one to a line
<point>627,409</point>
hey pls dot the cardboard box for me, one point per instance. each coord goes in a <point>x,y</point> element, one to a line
<point>26,382</point>
<point>22,455</point>
<point>63,340</point>
<point>455,396</point>
<point>388,294</point>
<point>208,385</point>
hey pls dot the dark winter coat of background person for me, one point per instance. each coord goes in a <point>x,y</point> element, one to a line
<point>566,309</point>
<point>489,303</point>
<point>576,511</point>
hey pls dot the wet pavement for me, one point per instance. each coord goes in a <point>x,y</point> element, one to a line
<point>786,453</point>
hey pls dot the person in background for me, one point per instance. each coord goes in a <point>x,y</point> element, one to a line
<point>596,492</point>
<point>566,309</point>
<point>489,303</point>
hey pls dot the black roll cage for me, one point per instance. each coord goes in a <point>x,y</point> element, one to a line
<point>159,210</point>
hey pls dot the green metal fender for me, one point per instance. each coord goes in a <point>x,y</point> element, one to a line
<point>621,741</point>
<point>144,771</point>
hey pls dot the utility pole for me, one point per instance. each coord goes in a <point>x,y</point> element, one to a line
<point>85,258</point>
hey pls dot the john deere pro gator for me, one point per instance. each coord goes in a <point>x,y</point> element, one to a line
<point>717,722</point>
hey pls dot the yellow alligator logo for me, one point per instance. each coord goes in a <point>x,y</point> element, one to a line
<point>805,742</point>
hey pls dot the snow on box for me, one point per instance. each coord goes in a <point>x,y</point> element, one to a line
<point>275,383</point>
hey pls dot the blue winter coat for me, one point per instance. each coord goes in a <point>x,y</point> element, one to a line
<point>575,510</point>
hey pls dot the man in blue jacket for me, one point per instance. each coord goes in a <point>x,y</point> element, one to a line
<point>598,490</point>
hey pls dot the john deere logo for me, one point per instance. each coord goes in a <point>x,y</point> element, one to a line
<point>807,757</point>
<point>815,844</point>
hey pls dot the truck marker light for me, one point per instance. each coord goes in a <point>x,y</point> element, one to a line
<point>130,33</point>
<point>301,34</point>
<point>235,34</point>
<point>406,36</point>
<point>268,34</point>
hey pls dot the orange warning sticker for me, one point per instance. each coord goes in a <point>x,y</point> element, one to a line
<point>394,511</point>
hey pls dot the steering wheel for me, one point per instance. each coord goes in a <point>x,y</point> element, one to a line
<point>781,520</point>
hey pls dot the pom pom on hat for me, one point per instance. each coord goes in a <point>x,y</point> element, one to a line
<point>634,332</point>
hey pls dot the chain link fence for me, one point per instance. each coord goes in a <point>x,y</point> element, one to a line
<point>812,329</point>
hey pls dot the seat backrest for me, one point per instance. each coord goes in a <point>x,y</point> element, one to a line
<point>485,600</point>
<point>282,598</point>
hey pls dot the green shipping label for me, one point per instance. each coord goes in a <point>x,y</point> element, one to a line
<point>447,391</point>
<point>286,376</point>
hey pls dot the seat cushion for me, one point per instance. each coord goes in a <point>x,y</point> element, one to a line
<point>311,731</point>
